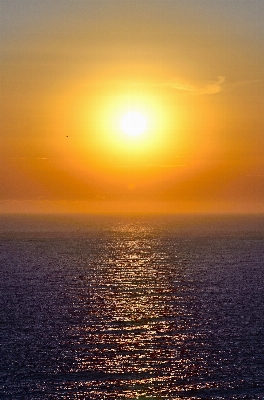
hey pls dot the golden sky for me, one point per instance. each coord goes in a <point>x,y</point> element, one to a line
<point>72,69</point>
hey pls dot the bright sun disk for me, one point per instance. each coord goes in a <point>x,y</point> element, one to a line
<point>133,123</point>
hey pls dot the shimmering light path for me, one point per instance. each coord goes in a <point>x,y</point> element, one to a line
<point>132,308</point>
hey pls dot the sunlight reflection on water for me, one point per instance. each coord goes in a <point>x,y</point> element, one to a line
<point>134,311</point>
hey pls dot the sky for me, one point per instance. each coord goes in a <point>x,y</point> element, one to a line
<point>72,69</point>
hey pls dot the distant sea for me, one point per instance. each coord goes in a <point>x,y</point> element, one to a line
<point>131,307</point>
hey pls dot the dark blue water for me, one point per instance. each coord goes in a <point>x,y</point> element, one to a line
<point>132,307</point>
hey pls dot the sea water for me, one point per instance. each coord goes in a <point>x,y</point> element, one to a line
<point>132,307</point>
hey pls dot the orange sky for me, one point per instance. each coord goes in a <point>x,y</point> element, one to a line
<point>71,69</point>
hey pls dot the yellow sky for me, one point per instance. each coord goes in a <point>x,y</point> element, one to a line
<point>70,70</point>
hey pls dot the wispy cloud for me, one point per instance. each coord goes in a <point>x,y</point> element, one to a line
<point>197,88</point>
<point>153,166</point>
<point>209,87</point>
<point>28,158</point>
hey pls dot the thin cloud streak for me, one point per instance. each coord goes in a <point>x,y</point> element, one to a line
<point>153,166</point>
<point>211,87</point>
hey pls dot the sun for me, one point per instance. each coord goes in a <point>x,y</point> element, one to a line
<point>133,123</point>
<point>124,126</point>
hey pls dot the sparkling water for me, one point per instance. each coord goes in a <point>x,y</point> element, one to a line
<point>132,307</point>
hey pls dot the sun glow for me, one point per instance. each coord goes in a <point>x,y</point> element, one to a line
<point>121,128</point>
<point>133,123</point>
<point>138,123</point>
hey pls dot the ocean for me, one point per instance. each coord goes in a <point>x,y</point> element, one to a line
<point>132,307</point>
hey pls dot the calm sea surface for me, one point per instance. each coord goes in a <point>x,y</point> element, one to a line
<point>164,307</point>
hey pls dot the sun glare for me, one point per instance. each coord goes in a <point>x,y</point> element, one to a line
<point>133,123</point>
<point>119,125</point>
